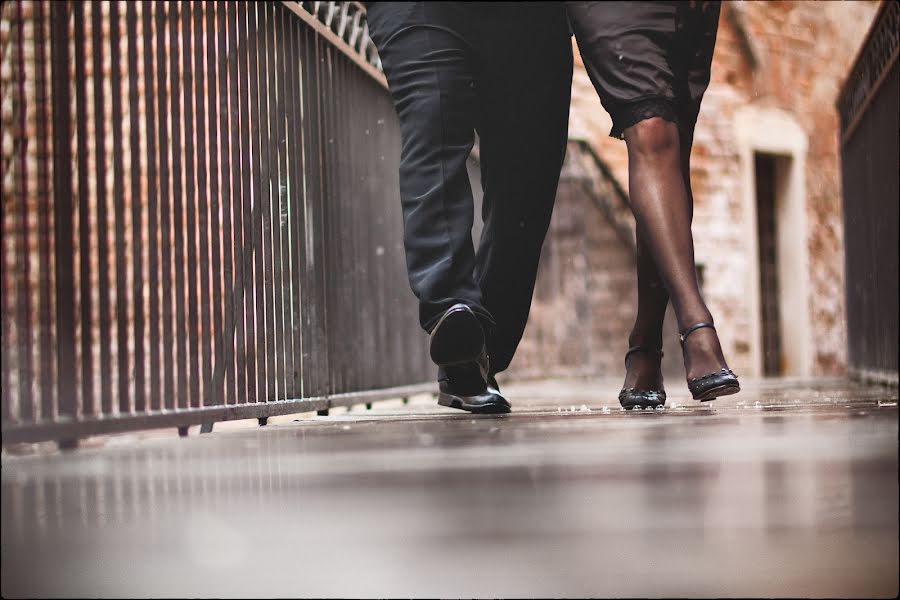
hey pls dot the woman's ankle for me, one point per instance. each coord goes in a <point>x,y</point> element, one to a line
<point>643,369</point>
<point>689,319</point>
<point>703,353</point>
<point>642,338</point>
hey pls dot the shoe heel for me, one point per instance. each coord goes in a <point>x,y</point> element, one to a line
<point>457,338</point>
<point>712,394</point>
<point>449,401</point>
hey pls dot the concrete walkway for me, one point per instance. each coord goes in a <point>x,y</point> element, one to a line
<point>788,489</point>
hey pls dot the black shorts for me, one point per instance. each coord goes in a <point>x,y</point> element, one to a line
<point>647,59</point>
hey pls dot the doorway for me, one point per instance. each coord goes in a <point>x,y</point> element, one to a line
<point>769,276</point>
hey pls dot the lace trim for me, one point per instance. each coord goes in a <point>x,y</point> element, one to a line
<point>641,110</point>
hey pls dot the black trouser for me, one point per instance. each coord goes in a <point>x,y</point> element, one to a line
<point>503,70</point>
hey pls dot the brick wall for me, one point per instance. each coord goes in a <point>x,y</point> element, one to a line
<point>802,51</point>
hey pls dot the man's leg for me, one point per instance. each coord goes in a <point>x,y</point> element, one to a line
<point>525,88</point>
<point>427,60</point>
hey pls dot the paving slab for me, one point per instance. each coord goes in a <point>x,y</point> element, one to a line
<point>789,489</point>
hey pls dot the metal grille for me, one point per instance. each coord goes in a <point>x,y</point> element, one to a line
<point>200,217</point>
<point>870,127</point>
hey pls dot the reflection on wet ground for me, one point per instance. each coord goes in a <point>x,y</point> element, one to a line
<point>788,489</point>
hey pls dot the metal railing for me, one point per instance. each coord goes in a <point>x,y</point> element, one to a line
<point>868,107</point>
<point>200,217</point>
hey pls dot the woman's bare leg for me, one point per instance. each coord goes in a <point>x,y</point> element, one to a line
<point>642,369</point>
<point>662,205</point>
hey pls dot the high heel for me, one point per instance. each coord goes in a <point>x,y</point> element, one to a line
<point>709,387</point>
<point>630,397</point>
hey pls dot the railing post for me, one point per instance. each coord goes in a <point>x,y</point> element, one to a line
<point>62,201</point>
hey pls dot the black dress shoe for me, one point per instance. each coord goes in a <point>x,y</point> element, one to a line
<point>631,398</point>
<point>709,387</point>
<point>457,338</point>
<point>469,387</point>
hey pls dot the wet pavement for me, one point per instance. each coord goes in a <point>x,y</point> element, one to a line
<point>788,489</point>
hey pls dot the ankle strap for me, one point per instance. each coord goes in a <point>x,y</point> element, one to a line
<point>692,329</point>
<point>642,349</point>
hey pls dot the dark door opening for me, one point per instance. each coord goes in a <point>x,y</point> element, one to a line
<point>769,290</point>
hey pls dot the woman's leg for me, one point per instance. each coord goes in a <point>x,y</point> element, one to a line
<point>642,369</point>
<point>661,201</point>
<point>631,52</point>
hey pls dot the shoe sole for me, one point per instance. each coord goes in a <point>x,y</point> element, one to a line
<point>716,392</point>
<point>494,408</point>
<point>637,399</point>
<point>642,405</point>
<point>457,338</point>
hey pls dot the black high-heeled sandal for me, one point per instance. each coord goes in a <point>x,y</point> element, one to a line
<point>629,398</point>
<point>709,387</point>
